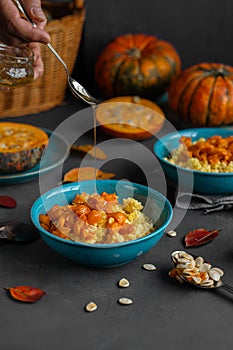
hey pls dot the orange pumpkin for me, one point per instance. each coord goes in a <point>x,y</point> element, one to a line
<point>203,94</point>
<point>136,64</point>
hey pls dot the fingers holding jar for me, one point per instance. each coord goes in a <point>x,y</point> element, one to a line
<point>15,30</point>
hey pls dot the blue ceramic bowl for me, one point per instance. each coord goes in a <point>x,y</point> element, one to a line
<point>193,180</point>
<point>156,206</point>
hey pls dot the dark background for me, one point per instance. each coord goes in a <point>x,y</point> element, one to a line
<point>200,30</point>
<point>164,315</point>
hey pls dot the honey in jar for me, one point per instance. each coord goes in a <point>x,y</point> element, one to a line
<point>16,65</point>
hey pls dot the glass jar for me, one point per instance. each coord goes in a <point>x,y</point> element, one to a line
<point>16,65</point>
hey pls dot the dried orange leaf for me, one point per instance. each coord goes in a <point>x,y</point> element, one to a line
<point>86,173</point>
<point>95,152</point>
<point>26,294</point>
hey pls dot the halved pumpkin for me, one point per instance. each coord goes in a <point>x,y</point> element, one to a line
<point>130,117</point>
<point>21,146</point>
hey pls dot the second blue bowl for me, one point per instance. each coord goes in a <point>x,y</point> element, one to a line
<point>193,180</point>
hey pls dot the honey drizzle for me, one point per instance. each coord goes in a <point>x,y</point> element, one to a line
<point>94,141</point>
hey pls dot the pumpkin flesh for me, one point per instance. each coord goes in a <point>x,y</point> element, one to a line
<point>21,146</point>
<point>130,117</point>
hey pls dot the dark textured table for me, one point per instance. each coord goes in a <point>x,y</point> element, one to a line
<point>164,315</point>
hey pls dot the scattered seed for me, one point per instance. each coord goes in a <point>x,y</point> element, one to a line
<point>125,301</point>
<point>90,307</point>
<point>149,267</point>
<point>123,283</point>
<point>171,233</point>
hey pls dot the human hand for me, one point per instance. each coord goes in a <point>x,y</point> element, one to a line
<point>14,30</point>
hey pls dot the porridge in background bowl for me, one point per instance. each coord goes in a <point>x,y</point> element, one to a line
<point>214,154</point>
<point>196,177</point>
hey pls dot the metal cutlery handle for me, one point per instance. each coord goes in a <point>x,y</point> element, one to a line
<point>58,57</point>
<point>24,13</point>
<point>227,287</point>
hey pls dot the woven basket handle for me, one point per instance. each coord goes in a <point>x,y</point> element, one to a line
<point>78,4</point>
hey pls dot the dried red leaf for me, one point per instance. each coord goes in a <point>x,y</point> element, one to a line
<point>7,201</point>
<point>200,236</point>
<point>26,294</point>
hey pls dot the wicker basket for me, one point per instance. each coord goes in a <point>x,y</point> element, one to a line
<point>49,91</point>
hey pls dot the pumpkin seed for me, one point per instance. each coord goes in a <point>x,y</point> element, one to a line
<point>196,279</point>
<point>90,307</point>
<point>214,275</point>
<point>171,233</point>
<point>209,283</point>
<point>125,301</point>
<point>175,257</point>
<point>187,256</point>
<point>188,273</point>
<point>184,260</point>
<point>199,261</point>
<point>123,283</point>
<point>220,271</point>
<point>179,279</point>
<point>195,270</point>
<point>219,283</point>
<point>149,267</point>
<point>182,266</point>
<point>188,265</point>
<point>205,267</point>
<point>177,254</point>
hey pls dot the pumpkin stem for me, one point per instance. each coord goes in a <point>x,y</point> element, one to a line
<point>134,52</point>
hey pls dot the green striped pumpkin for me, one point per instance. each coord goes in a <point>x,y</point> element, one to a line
<point>203,94</point>
<point>136,64</point>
